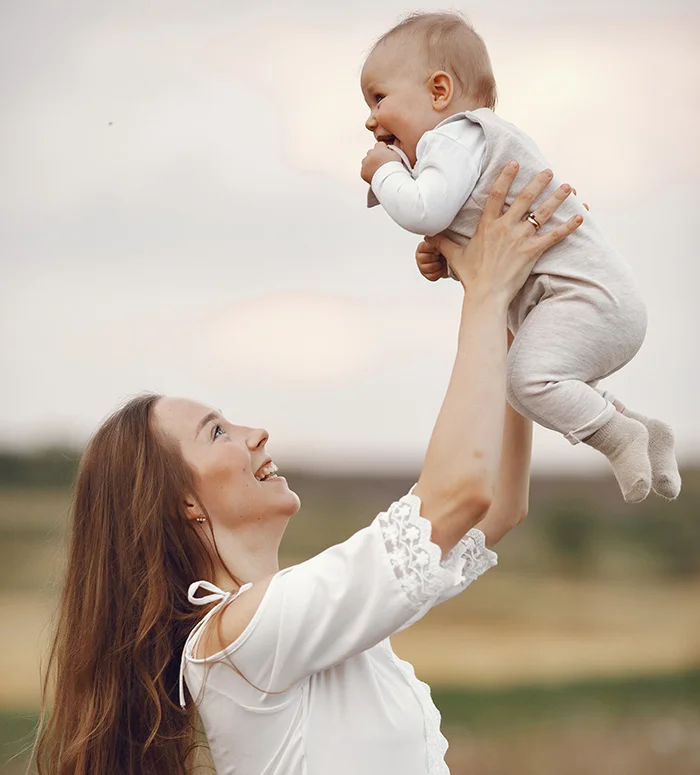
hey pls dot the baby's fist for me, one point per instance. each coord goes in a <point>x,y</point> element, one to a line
<point>431,262</point>
<point>375,158</point>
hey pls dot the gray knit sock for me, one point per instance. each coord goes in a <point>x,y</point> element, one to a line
<point>665,478</point>
<point>624,441</point>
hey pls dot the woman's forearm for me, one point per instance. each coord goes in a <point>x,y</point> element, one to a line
<point>459,476</point>
<point>458,481</point>
<point>510,502</point>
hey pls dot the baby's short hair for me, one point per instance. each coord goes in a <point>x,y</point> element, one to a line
<point>450,43</point>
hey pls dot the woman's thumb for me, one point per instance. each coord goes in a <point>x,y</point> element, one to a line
<point>444,245</point>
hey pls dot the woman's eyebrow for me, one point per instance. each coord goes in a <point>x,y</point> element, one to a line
<point>207,418</point>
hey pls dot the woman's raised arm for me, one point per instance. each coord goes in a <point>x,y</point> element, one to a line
<point>509,505</point>
<point>462,463</point>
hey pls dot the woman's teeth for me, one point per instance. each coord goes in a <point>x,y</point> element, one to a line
<point>267,472</point>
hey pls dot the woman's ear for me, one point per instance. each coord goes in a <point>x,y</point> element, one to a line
<point>192,509</point>
<point>442,89</point>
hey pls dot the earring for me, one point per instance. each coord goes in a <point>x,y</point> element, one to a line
<point>200,519</point>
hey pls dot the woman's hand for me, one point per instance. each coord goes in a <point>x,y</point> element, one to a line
<point>504,249</point>
<point>585,204</point>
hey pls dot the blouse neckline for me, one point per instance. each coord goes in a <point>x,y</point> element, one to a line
<point>215,594</point>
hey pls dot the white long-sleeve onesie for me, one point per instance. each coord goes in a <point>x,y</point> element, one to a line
<point>426,199</point>
<point>579,316</point>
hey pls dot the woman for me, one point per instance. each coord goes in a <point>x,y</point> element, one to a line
<point>291,671</point>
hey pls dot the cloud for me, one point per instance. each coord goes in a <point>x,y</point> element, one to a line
<point>213,240</point>
<point>250,98</point>
<point>293,339</point>
<point>587,92</point>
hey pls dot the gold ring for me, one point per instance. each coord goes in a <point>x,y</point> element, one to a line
<point>531,219</point>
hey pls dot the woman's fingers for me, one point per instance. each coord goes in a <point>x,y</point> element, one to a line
<point>522,204</point>
<point>553,236</point>
<point>546,210</point>
<point>497,196</point>
<point>575,193</point>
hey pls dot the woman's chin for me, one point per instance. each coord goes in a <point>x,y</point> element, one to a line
<point>291,498</point>
<point>296,501</point>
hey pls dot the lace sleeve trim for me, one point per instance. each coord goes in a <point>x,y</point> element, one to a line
<point>417,561</point>
<point>470,558</point>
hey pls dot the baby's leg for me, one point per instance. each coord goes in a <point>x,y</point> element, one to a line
<point>562,349</point>
<point>665,477</point>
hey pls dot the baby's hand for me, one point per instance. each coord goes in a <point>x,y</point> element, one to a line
<point>375,158</point>
<point>431,262</point>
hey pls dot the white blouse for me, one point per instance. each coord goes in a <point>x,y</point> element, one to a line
<point>323,691</point>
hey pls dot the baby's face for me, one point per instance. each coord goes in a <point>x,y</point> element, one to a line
<point>395,88</point>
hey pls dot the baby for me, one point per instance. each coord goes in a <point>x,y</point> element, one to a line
<point>579,317</point>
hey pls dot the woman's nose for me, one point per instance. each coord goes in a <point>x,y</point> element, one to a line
<point>257,438</point>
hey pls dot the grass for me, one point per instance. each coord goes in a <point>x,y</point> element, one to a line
<point>531,622</point>
<point>521,706</point>
<point>528,716</point>
<point>16,734</point>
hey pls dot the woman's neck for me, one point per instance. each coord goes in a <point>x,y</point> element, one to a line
<point>250,553</point>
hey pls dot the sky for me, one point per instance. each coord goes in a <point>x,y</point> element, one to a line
<point>181,211</point>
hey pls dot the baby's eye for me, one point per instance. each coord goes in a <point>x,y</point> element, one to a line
<point>378,98</point>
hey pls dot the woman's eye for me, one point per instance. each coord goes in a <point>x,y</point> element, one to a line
<point>217,429</point>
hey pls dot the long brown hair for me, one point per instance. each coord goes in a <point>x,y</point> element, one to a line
<point>124,615</point>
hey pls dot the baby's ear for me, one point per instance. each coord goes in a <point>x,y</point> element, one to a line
<point>442,89</point>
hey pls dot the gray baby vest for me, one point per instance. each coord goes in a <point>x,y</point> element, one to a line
<point>585,259</point>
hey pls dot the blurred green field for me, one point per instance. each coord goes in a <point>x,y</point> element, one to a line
<point>580,653</point>
<point>634,727</point>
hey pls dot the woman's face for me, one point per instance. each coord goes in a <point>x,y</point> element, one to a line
<point>229,461</point>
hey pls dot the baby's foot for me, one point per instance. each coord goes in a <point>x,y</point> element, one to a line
<point>624,441</point>
<point>665,478</point>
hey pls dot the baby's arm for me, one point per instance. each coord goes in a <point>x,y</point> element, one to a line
<point>447,171</point>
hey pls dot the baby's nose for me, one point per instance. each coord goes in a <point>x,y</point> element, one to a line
<point>371,123</point>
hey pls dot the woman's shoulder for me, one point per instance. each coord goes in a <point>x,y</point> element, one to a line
<point>235,617</point>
